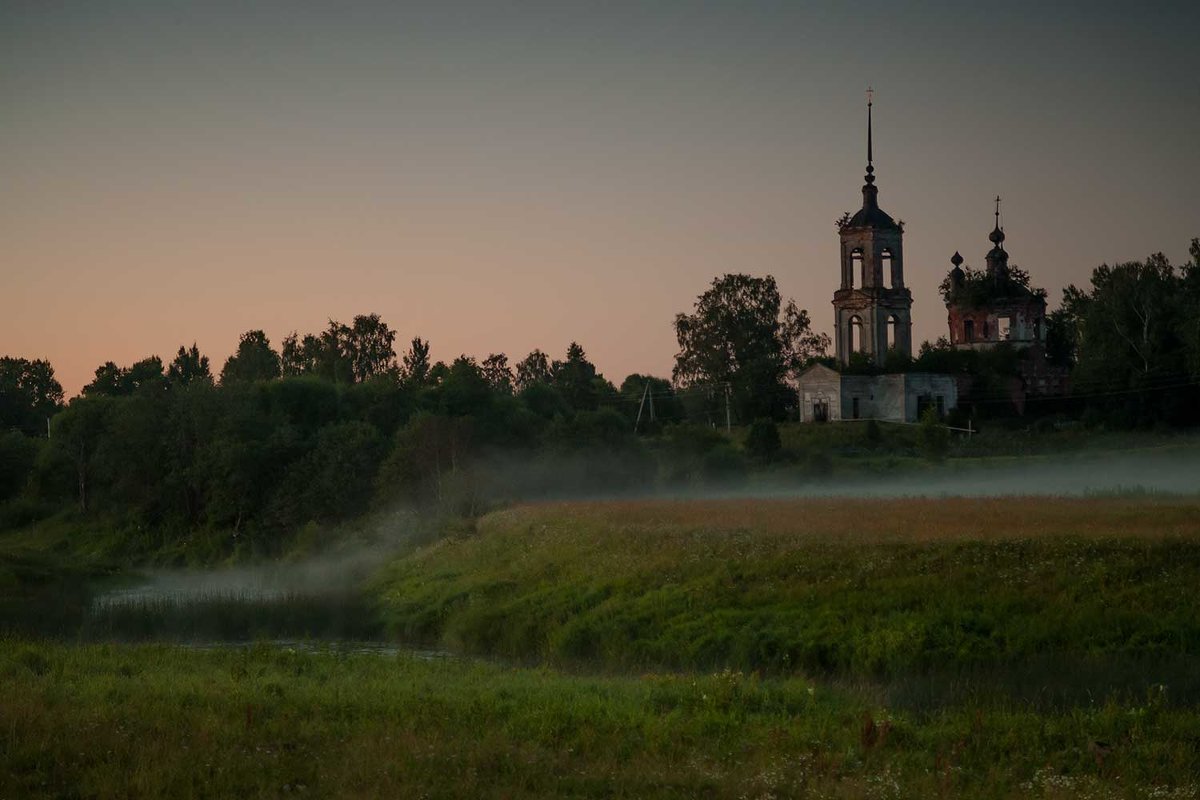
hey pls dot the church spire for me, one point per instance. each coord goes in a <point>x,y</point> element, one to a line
<point>870,155</point>
<point>997,258</point>
<point>870,190</point>
<point>996,237</point>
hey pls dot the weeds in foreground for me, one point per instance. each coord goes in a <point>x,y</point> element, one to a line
<point>157,721</point>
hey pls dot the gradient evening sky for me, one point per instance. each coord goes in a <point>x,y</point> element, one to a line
<point>504,176</point>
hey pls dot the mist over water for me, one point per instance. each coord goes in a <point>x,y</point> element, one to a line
<point>319,597</point>
<point>276,580</point>
<point>322,596</point>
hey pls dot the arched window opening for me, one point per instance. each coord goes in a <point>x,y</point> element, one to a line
<point>985,330</point>
<point>885,258</point>
<point>969,330</point>
<point>1003,328</point>
<point>893,325</point>
<point>856,266</point>
<point>856,340</point>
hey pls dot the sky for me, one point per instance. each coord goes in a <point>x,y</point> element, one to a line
<point>499,177</point>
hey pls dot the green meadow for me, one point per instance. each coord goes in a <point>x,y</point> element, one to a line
<point>758,648</point>
<point>156,721</point>
<point>841,587</point>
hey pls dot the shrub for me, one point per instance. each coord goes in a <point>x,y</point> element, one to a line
<point>935,437</point>
<point>762,442</point>
<point>17,454</point>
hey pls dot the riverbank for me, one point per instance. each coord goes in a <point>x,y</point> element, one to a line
<point>864,587</point>
<point>714,647</point>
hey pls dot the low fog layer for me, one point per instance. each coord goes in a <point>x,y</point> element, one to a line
<point>1164,471</point>
<point>317,575</point>
<point>1160,471</point>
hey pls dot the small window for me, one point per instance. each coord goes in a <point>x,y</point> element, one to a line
<point>885,258</point>
<point>892,325</point>
<point>969,330</point>
<point>1003,328</point>
<point>856,335</point>
<point>854,408</point>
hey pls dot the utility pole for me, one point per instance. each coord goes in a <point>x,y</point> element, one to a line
<point>641,405</point>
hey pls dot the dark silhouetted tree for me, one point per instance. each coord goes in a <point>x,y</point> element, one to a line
<point>497,373</point>
<point>762,441</point>
<point>254,360</point>
<point>17,455</point>
<point>735,336</point>
<point>415,367</point>
<point>29,394</point>
<point>299,356</point>
<point>370,346</point>
<point>115,381</point>
<point>534,368</point>
<point>801,345</point>
<point>77,433</point>
<point>576,379</point>
<point>188,366</point>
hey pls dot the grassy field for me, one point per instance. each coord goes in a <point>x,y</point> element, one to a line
<point>156,721</point>
<point>868,588</point>
<point>994,648</point>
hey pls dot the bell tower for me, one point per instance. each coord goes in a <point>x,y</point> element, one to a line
<point>872,309</point>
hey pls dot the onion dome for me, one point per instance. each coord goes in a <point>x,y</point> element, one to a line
<point>957,276</point>
<point>997,259</point>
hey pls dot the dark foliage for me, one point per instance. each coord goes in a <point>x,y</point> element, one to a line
<point>736,338</point>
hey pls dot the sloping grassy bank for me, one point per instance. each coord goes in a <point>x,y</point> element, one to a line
<point>161,722</point>
<point>871,587</point>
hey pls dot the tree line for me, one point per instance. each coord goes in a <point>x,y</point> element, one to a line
<point>331,422</point>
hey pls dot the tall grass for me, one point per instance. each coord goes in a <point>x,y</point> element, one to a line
<point>161,722</point>
<point>334,615</point>
<point>866,588</point>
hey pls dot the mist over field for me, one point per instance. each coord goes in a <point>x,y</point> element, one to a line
<point>1159,471</point>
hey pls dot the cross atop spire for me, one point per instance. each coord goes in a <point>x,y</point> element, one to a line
<point>997,235</point>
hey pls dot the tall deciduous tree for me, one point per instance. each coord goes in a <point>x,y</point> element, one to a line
<point>343,353</point>
<point>1135,337</point>
<point>188,366</point>
<point>415,366</point>
<point>496,372</point>
<point>534,368</point>
<point>115,381</point>
<point>576,379</point>
<point>77,434</point>
<point>736,338</point>
<point>29,394</point>
<point>801,345</point>
<point>254,360</point>
<point>370,346</point>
